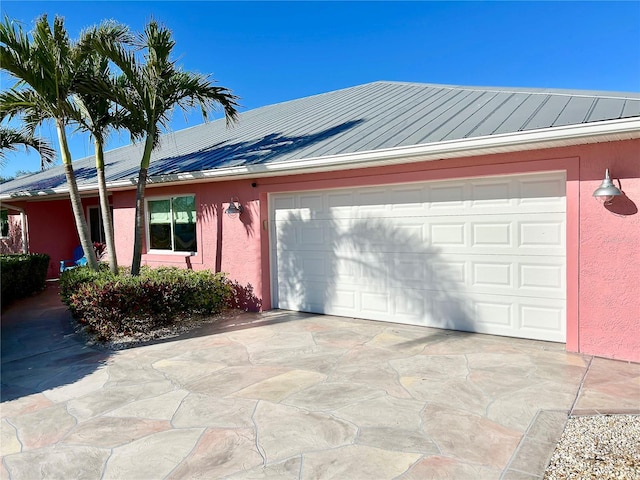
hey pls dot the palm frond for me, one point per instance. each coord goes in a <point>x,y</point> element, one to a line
<point>41,62</point>
<point>23,102</point>
<point>15,52</point>
<point>11,139</point>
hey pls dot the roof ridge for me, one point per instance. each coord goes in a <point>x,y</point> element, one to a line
<point>528,90</point>
<point>510,90</point>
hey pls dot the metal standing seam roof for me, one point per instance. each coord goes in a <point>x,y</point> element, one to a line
<point>364,118</point>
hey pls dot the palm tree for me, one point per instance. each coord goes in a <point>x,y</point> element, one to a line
<point>95,113</point>
<point>45,66</point>
<point>154,88</point>
<point>12,138</point>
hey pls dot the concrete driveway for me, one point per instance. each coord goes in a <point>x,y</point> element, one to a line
<point>288,395</point>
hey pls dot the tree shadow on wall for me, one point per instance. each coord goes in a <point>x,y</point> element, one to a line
<point>411,284</point>
<point>243,296</point>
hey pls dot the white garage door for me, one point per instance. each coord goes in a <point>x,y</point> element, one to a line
<point>483,254</point>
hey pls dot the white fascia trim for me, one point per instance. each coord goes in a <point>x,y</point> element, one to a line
<point>622,129</point>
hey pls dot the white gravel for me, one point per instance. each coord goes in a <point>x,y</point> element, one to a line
<point>597,447</point>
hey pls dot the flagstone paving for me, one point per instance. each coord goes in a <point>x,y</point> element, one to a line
<point>289,395</point>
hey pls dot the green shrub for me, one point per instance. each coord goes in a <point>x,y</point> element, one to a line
<point>111,305</point>
<point>22,275</point>
<point>70,280</point>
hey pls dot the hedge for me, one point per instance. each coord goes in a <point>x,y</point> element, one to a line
<point>22,275</point>
<point>111,305</point>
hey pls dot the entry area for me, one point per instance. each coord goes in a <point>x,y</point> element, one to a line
<point>480,254</point>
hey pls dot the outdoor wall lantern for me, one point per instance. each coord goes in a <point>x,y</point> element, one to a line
<point>234,208</point>
<point>607,190</point>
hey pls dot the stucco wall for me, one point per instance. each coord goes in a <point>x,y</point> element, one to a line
<point>52,231</point>
<point>123,220</point>
<point>603,244</point>
<point>225,244</point>
<point>610,254</point>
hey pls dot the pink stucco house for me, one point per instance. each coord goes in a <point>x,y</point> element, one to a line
<point>454,207</point>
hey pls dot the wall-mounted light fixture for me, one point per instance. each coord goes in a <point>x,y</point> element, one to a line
<point>234,208</point>
<point>607,190</point>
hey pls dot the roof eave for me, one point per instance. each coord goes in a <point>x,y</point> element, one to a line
<point>570,135</point>
<point>606,131</point>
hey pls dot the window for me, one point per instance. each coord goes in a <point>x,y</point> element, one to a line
<point>172,224</point>
<point>95,224</point>
<point>4,223</point>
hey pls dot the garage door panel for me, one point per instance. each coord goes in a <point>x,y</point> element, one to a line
<point>449,234</point>
<point>410,269</point>
<point>346,269</point>
<point>300,235</point>
<point>408,199</point>
<point>542,234</point>
<point>372,200</point>
<point>282,203</point>
<point>447,196</point>
<point>542,321</point>
<point>295,294</point>
<point>492,233</point>
<point>497,313</point>
<point>410,234</point>
<point>448,272</point>
<point>492,275</point>
<point>341,203</point>
<point>539,318</point>
<point>312,203</point>
<point>345,299</point>
<point>542,190</point>
<point>484,255</point>
<point>491,194</point>
<point>373,278</point>
<point>410,306</point>
<point>376,303</point>
<point>314,267</point>
<point>311,234</point>
<point>542,278</point>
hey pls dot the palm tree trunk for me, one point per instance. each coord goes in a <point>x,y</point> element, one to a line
<point>76,202</point>
<point>139,220</point>
<point>105,211</point>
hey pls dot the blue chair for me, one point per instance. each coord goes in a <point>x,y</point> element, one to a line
<point>78,260</point>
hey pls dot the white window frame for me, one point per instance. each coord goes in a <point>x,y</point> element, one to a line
<point>147,229</point>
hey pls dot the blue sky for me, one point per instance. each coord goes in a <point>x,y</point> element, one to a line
<point>269,52</point>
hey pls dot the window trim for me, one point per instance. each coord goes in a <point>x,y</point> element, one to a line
<point>99,209</point>
<point>149,250</point>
